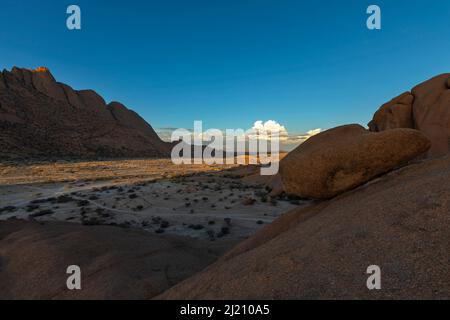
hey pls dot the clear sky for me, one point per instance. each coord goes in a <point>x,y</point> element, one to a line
<point>305,64</point>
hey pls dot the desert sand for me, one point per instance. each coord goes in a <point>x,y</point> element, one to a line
<point>197,201</point>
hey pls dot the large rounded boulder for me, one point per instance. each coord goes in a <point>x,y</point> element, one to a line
<point>401,223</point>
<point>431,110</point>
<point>346,157</point>
<point>425,108</point>
<point>396,113</point>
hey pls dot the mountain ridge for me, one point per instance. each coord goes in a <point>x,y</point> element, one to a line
<point>40,117</point>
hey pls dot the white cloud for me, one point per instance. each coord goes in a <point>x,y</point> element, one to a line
<point>296,139</point>
<point>311,133</point>
<point>270,126</point>
<point>286,139</point>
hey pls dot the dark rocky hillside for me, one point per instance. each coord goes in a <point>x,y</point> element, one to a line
<point>40,117</point>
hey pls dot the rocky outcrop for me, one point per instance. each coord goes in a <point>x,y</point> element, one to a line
<point>115,263</point>
<point>400,222</point>
<point>40,117</point>
<point>397,113</point>
<point>431,110</point>
<point>425,108</point>
<point>343,158</point>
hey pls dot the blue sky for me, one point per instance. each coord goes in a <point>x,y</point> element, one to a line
<point>304,64</point>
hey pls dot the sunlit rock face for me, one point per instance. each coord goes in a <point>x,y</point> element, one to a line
<point>343,158</point>
<point>40,117</point>
<point>425,108</point>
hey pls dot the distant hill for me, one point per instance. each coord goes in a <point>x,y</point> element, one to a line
<point>40,117</point>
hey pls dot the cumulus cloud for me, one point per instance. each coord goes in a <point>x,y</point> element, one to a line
<point>286,138</point>
<point>270,126</point>
<point>300,138</point>
<point>263,128</point>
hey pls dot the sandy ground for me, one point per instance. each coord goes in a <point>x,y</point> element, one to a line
<point>13,173</point>
<point>201,202</point>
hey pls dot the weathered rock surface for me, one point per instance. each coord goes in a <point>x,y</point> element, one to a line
<point>425,108</point>
<point>400,222</point>
<point>431,111</point>
<point>40,117</point>
<point>115,263</point>
<point>343,158</point>
<point>397,113</point>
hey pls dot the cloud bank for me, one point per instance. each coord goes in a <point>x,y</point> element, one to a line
<point>288,141</point>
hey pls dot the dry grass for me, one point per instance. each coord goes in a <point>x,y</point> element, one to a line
<point>121,170</point>
<point>118,170</point>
